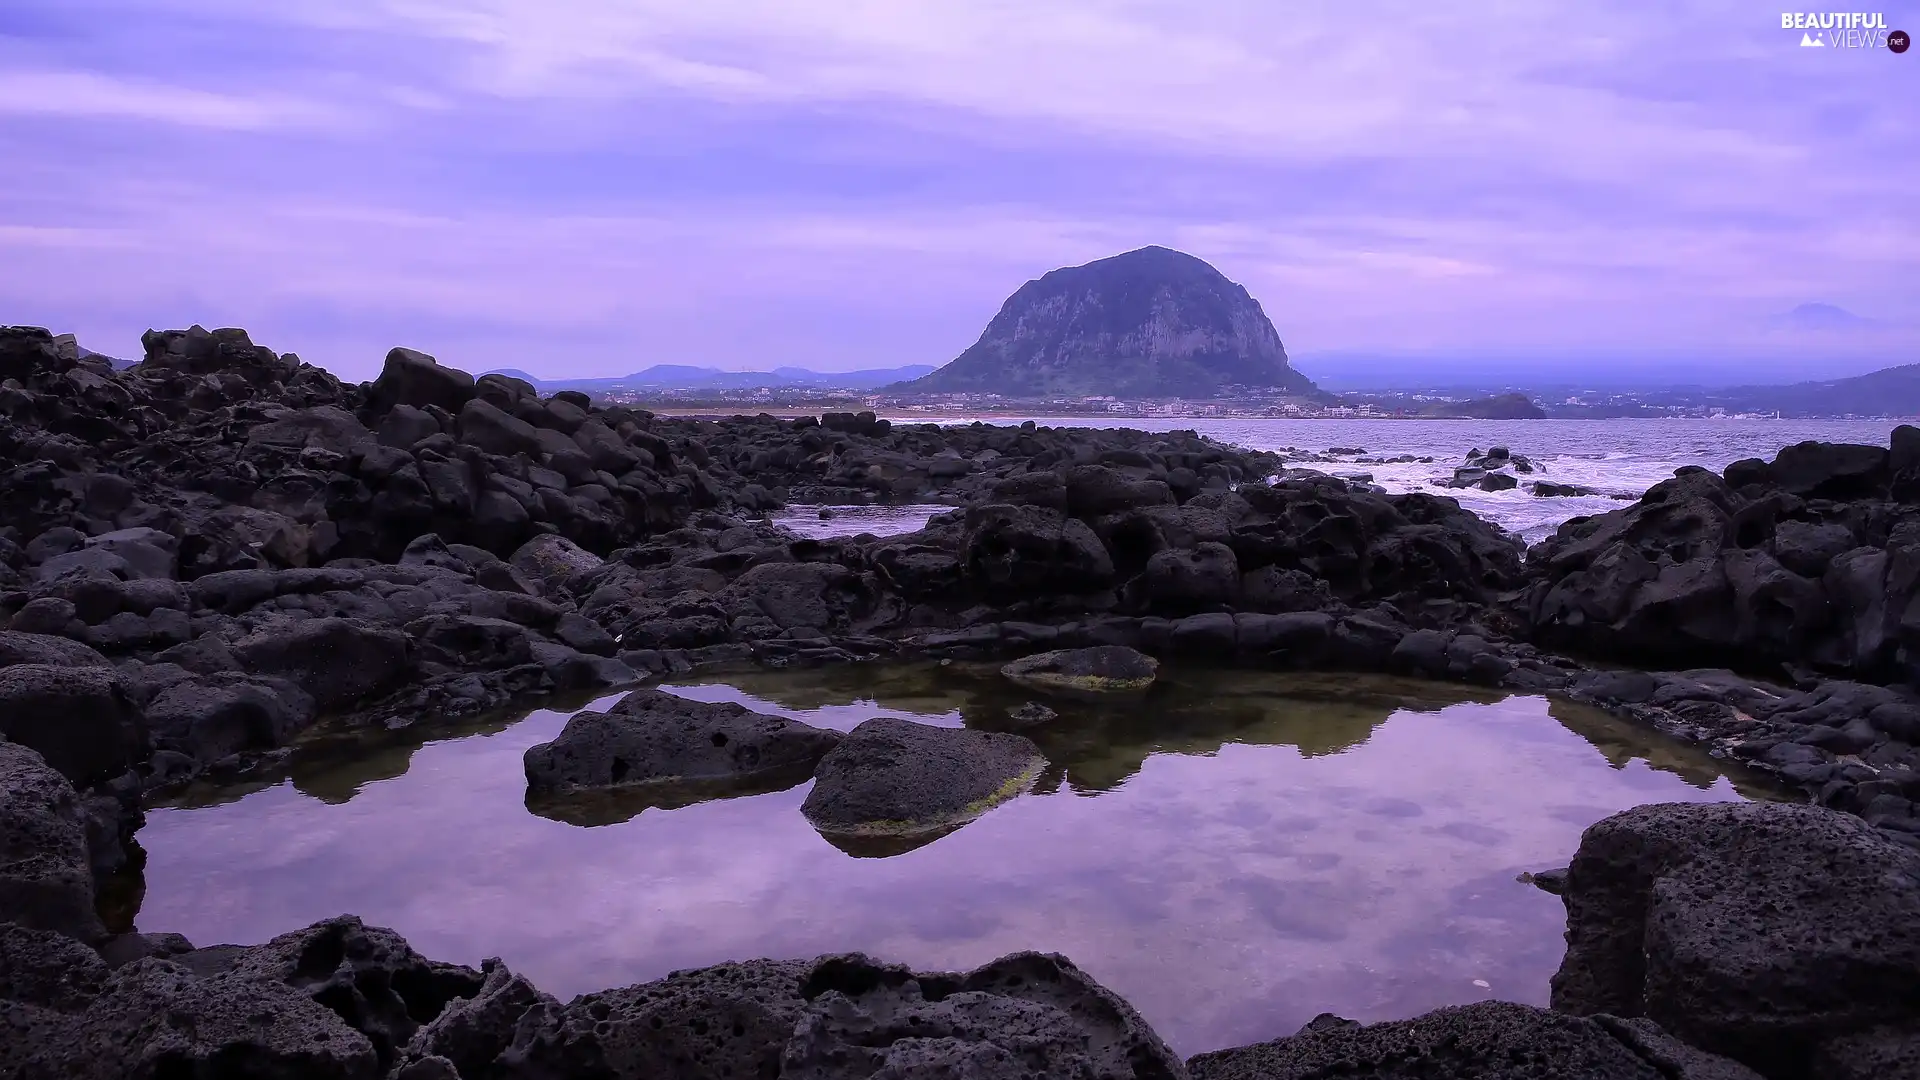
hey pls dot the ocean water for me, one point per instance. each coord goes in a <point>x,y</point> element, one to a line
<point>1620,459</point>
<point>1234,854</point>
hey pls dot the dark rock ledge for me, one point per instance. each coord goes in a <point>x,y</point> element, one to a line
<point>207,555</point>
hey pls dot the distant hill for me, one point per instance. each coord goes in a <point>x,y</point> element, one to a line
<point>686,377</point>
<point>1147,323</point>
<point>1893,391</point>
<point>1821,319</point>
<point>1498,407</point>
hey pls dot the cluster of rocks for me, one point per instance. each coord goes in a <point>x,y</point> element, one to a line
<point>1803,563</point>
<point>1705,942</point>
<point>1490,471</point>
<point>887,786</point>
<point>206,554</point>
<point>155,540</point>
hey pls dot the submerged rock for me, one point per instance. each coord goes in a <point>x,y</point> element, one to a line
<point>1028,714</point>
<point>1491,1040</point>
<point>1762,931</point>
<point>911,783</point>
<point>1095,672</point>
<point>1548,490</point>
<point>655,739</point>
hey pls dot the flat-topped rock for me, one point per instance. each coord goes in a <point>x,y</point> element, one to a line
<point>1096,672</point>
<point>653,739</point>
<point>895,780</point>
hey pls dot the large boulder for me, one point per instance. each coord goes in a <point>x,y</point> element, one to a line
<point>654,739</point>
<point>788,596</point>
<point>82,720</point>
<point>416,379</point>
<point>1024,551</point>
<point>335,661</point>
<point>46,882</point>
<point>1202,578</point>
<point>225,713</point>
<point>1025,1015</point>
<point>324,427</point>
<point>897,784</point>
<point>554,563</point>
<point>1491,1040</point>
<point>1757,930</point>
<point>486,426</point>
<point>1099,671</point>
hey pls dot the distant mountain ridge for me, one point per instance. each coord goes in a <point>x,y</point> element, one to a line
<point>688,377</point>
<point>1893,391</point>
<point>1152,322</point>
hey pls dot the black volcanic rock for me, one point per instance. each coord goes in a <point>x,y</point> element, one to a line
<point>1756,930</point>
<point>1147,323</point>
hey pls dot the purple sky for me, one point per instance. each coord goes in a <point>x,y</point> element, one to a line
<point>586,187</point>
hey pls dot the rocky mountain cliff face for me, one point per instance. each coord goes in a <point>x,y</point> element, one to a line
<point>1148,323</point>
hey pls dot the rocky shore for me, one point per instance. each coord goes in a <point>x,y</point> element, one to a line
<point>208,554</point>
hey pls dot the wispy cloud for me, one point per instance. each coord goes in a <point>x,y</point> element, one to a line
<point>90,95</point>
<point>740,181</point>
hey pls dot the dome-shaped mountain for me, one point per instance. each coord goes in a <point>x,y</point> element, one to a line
<point>1148,323</point>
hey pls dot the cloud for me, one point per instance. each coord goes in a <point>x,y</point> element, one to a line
<point>83,94</point>
<point>743,182</point>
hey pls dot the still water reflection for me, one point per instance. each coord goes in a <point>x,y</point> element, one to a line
<point>1234,853</point>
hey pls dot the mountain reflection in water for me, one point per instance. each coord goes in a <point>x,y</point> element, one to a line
<point>1234,852</point>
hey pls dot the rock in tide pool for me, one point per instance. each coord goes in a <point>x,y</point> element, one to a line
<point>1095,672</point>
<point>893,785</point>
<point>1031,713</point>
<point>1763,931</point>
<point>660,750</point>
<point>1491,1040</point>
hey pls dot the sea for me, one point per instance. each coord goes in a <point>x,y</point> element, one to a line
<point>1618,459</point>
